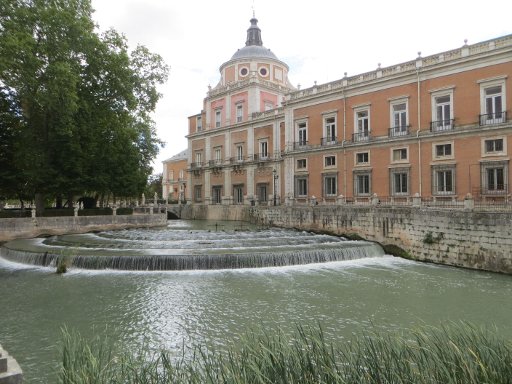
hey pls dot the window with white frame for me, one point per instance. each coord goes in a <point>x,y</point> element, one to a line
<point>181,174</point>
<point>263,149</point>
<point>443,150</point>
<point>218,155</point>
<point>330,161</point>
<point>239,113</point>
<point>399,119</point>
<point>171,175</point>
<point>442,111</point>
<point>330,130</point>
<point>199,124</point>
<point>240,152</point>
<point>268,105</point>
<point>362,124</point>
<point>399,155</point>
<point>362,158</point>
<point>302,133</point>
<point>494,146</point>
<point>362,183</point>
<point>399,181</point>
<point>199,159</point>
<point>218,118</point>
<point>493,102</point>
<point>330,185</point>
<point>494,177</point>
<point>301,164</point>
<point>301,186</point>
<point>443,180</point>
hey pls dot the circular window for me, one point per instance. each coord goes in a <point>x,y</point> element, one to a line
<point>244,71</point>
<point>263,72</point>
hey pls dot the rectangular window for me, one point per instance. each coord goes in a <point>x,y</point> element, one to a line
<point>330,130</point>
<point>443,180</point>
<point>218,155</point>
<point>181,174</point>
<point>199,158</point>
<point>330,183</point>
<point>262,192</point>
<point>301,187</point>
<point>171,175</point>
<point>362,125</point>
<point>238,194</point>
<point>197,193</point>
<point>493,102</point>
<point>399,119</point>
<point>362,185</point>
<point>362,158</point>
<point>330,161</point>
<point>399,182</point>
<point>495,179</point>
<point>263,149</point>
<point>302,132</point>
<point>443,150</point>
<point>493,145</point>
<point>239,153</point>
<point>217,194</point>
<point>301,164</point>
<point>400,154</point>
<point>442,119</point>
<point>199,124</point>
<point>239,113</point>
<point>218,118</point>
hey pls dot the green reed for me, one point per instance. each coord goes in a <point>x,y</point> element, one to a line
<point>458,353</point>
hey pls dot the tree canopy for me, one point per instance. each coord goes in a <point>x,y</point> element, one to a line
<point>75,105</point>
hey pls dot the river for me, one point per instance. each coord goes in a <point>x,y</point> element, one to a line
<point>169,309</point>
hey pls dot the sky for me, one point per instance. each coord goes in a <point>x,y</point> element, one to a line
<point>319,40</point>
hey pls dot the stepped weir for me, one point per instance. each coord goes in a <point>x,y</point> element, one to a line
<point>187,246</point>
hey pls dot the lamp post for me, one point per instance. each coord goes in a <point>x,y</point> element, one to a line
<point>276,176</point>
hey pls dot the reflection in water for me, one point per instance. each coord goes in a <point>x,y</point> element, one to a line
<point>172,309</point>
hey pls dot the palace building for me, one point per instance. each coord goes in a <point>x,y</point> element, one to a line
<point>436,127</point>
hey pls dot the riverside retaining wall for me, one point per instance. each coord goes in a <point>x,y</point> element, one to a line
<point>16,228</point>
<point>464,238</point>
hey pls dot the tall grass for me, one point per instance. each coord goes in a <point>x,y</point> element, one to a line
<point>459,353</point>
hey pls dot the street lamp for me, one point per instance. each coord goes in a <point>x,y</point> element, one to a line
<point>276,176</point>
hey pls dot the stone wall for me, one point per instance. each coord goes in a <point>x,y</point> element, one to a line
<point>10,371</point>
<point>465,238</point>
<point>37,226</point>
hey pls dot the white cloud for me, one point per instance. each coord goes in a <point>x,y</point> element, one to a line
<point>319,40</point>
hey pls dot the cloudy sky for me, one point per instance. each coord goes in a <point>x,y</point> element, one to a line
<point>319,40</point>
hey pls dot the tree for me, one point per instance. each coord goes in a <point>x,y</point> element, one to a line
<point>80,103</point>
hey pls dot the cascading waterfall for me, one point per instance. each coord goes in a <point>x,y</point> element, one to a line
<point>187,249</point>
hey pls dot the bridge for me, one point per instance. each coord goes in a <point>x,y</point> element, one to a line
<point>174,211</point>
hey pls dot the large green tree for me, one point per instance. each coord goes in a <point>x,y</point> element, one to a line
<point>78,104</point>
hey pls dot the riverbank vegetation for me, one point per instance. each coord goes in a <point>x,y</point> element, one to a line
<point>76,106</point>
<point>459,353</point>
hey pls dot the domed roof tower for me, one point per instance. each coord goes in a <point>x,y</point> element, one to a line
<point>254,61</point>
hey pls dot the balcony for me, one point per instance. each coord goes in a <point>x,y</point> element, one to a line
<point>196,165</point>
<point>300,145</point>
<point>329,140</point>
<point>399,131</point>
<point>359,137</point>
<point>493,118</point>
<point>442,125</point>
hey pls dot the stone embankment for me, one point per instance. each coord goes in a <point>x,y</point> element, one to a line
<point>10,371</point>
<point>37,226</point>
<point>459,237</point>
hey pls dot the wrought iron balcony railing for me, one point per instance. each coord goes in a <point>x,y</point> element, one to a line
<point>493,118</point>
<point>361,136</point>
<point>329,140</point>
<point>400,130</point>
<point>441,125</point>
